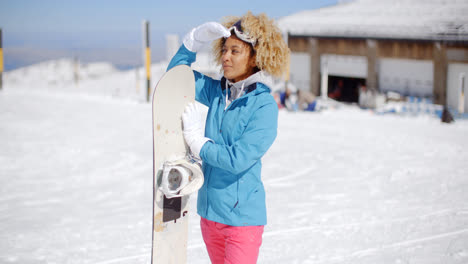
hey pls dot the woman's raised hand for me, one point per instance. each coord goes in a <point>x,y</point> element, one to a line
<point>203,34</point>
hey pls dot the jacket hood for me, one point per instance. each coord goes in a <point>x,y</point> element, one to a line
<point>247,85</point>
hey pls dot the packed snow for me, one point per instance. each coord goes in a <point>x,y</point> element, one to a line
<point>344,185</point>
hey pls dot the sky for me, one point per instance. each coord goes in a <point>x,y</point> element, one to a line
<point>105,30</point>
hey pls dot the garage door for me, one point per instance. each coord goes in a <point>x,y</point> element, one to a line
<point>457,76</point>
<point>344,66</point>
<point>407,77</point>
<point>300,70</point>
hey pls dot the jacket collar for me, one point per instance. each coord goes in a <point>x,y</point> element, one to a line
<point>250,84</point>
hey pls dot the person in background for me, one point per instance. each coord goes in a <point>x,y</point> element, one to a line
<point>241,126</point>
<point>284,96</point>
<point>364,96</point>
<point>288,99</point>
<point>300,100</point>
<point>337,91</point>
<point>306,100</point>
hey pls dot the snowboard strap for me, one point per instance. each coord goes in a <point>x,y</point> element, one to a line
<point>181,177</point>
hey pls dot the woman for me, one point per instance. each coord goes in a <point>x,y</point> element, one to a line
<point>240,127</point>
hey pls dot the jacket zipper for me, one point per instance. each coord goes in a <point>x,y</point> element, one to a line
<point>227,109</point>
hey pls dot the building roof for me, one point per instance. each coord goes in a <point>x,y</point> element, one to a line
<point>436,20</point>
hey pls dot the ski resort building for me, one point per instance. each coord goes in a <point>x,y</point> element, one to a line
<point>413,47</point>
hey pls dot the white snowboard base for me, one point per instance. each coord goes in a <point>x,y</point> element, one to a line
<point>173,92</point>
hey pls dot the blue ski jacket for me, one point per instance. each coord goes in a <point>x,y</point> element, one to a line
<point>233,192</point>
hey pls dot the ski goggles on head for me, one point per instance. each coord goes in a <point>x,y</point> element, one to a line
<point>244,36</point>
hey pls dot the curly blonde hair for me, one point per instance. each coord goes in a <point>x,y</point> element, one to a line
<point>271,51</point>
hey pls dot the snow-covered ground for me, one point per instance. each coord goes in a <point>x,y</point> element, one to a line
<point>343,185</point>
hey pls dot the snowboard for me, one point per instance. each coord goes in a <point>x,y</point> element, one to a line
<point>174,91</point>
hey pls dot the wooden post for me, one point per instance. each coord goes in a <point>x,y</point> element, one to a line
<point>440,74</point>
<point>314,65</point>
<point>324,85</point>
<point>461,100</point>
<point>1,61</point>
<point>372,82</point>
<point>147,59</point>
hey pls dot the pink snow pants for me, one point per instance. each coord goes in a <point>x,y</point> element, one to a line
<point>231,244</point>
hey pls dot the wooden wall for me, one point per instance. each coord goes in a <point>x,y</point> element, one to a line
<point>440,53</point>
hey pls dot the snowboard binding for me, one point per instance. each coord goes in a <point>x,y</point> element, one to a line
<point>180,177</point>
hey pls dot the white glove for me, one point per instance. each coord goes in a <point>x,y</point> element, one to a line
<point>193,132</point>
<point>203,34</point>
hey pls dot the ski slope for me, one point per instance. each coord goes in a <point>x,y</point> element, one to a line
<point>343,185</point>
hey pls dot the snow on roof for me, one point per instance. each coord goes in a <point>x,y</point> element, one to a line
<point>440,20</point>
